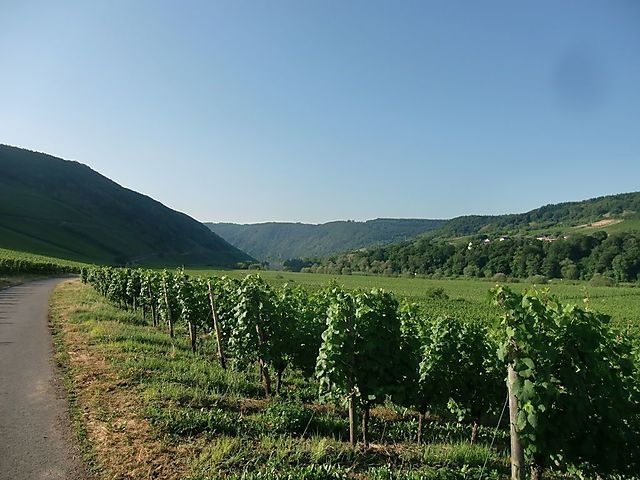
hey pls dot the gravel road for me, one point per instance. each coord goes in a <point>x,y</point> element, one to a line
<point>36,439</point>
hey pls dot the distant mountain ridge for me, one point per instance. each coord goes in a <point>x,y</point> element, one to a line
<point>572,240</point>
<point>278,241</point>
<point>64,209</point>
<point>624,207</point>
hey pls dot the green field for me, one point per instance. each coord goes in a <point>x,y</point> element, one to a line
<point>462,297</point>
<point>466,297</point>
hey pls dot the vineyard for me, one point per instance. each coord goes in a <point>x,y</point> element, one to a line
<point>389,388</point>
<point>12,263</point>
<point>463,297</point>
<point>18,267</point>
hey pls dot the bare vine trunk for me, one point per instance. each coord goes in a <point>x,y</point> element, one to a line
<point>266,378</point>
<point>474,432</point>
<point>193,336</point>
<point>365,426</point>
<point>279,380</point>
<point>536,472</point>
<point>420,423</point>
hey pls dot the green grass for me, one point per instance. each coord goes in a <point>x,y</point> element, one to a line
<point>628,224</point>
<point>71,386</point>
<point>226,428</point>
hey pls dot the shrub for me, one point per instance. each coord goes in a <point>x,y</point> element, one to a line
<point>437,293</point>
<point>538,279</point>
<point>499,278</point>
<point>471,271</point>
<point>599,280</point>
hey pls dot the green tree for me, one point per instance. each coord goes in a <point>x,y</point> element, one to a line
<point>569,270</point>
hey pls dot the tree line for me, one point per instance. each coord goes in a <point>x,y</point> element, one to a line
<point>614,256</point>
<point>572,382</point>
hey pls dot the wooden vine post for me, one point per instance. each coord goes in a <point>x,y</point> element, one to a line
<point>216,327</point>
<point>168,307</point>
<point>193,335</point>
<point>264,371</point>
<point>352,419</point>
<point>352,385</point>
<point>517,453</point>
<point>420,423</point>
<point>154,314</point>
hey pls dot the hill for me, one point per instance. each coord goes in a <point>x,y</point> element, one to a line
<point>600,236</point>
<point>621,210</point>
<point>64,209</point>
<point>276,242</point>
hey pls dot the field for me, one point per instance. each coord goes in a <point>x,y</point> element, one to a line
<point>465,297</point>
<point>145,403</point>
<point>148,404</point>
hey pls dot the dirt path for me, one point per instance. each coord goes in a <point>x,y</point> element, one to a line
<point>35,431</point>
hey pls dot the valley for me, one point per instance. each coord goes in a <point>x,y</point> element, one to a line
<point>250,373</point>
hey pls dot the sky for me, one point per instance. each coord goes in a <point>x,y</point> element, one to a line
<point>311,111</point>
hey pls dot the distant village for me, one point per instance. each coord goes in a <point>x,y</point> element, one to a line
<point>542,238</point>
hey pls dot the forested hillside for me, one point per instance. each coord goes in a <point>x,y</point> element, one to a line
<point>609,257</point>
<point>276,242</point>
<point>290,242</point>
<point>64,209</point>
<point>609,210</point>
<point>574,240</point>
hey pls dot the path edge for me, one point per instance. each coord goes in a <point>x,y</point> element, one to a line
<point>69,388</point>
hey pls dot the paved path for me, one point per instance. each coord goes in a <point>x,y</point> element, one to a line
<point>36,440</point>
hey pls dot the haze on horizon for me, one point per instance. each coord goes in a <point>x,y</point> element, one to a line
<point>317,111</point>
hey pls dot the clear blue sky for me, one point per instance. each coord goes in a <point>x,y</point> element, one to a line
<point>312,111</point>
